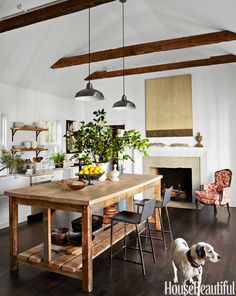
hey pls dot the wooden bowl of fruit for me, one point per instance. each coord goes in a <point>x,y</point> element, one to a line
<point>90,172</point>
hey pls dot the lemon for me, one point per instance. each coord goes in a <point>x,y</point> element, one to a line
<point>100,171</point>
<point>81,172</point>
<point>86,172</point>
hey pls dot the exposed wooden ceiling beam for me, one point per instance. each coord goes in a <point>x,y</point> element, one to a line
<point>47,12</point>
<point>223,59</point>
<point>144,48</point>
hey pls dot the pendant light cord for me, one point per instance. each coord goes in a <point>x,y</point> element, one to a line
<point>123,43</point>
<point>89,33</point>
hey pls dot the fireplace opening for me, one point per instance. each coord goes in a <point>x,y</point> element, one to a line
<point>180,179</point>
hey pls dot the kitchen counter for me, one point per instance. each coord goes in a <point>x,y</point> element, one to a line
<point>8,182</point>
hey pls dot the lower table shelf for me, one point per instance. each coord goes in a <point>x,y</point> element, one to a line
<point>68,260</point>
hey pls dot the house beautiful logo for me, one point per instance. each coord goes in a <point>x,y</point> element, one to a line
<point>220,288</point>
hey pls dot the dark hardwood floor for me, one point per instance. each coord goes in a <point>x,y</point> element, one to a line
<point>126,279</point>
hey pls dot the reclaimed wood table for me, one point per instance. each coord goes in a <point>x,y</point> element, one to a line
<point>75,262</point>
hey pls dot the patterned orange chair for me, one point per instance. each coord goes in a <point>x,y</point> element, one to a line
<point>216,194</point>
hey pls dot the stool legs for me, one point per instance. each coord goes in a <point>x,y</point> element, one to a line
<point>170,229</point>
<point>162,228</point>
<point>150,235</point>
<point>124,241</point>
<point>140,250</point>
<point>111,242</point>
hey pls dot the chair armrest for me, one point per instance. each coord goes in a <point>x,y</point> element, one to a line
<point>209,187</point>
<point>225,196</point>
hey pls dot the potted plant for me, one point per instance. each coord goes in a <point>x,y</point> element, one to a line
<point>96,139</point>
<point>58,159</point>
<point>10,160</point>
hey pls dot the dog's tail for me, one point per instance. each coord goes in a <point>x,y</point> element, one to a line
<point>178,242</point>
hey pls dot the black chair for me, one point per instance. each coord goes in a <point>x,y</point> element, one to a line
<point>128,217</point>
<point>160,205</point>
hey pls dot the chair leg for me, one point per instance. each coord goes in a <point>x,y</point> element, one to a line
<point>140,250</point>
<point>228,209</point>
<point>151,242</point>
<point>196,202</point>
<point>124,242</point>
<point>111,238</point>
<point>162,228</point>
<point>168,219</point>
<point>215,210</point>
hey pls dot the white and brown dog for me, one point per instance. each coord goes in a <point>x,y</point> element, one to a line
<point>189,262</point>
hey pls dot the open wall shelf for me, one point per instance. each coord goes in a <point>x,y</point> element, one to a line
<point>31,129</point>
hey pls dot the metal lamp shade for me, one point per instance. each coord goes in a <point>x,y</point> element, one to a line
<point>89,94</point>
<point>124,104</point>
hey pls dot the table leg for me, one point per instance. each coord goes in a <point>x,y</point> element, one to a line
<point>87,249</point>
<point>47,247</point>
<point>13,223</point>
<point>130,203</point>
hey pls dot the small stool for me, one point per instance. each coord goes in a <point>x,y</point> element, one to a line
<point>160,205</point>
<point>128,217</point>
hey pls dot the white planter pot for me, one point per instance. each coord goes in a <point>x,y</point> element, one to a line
<point>104,167</point>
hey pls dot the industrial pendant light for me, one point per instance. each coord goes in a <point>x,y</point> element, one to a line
<point>89,93</point>
<point>123,103</point>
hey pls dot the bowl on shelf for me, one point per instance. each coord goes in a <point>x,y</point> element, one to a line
<point>18,124</point>
<point>89,177</point>
<point>71,185</point>
<point>37,159</point>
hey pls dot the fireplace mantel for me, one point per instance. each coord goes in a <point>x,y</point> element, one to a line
<point>177,151</point>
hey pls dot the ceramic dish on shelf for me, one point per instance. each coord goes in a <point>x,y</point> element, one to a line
<point>89,177</point>
<point>18,124</point>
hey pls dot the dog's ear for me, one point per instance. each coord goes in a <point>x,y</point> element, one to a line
<point>200,251</point>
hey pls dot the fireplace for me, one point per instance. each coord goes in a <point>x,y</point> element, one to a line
<point>179,178</point>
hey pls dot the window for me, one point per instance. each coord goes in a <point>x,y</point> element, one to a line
<point>3,131</point>
<point>52,138</point>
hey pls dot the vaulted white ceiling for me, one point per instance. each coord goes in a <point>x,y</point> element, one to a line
<point>26,54</point>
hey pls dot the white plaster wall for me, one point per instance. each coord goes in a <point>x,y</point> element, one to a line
<point>26,105</point>
<point>214,102</point>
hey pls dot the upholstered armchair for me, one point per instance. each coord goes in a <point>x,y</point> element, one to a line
<point>218,193</point>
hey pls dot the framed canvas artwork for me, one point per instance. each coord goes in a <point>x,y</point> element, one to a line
<point>169,106</point>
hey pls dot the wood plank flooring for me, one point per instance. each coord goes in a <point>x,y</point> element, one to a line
<point>126,279</point>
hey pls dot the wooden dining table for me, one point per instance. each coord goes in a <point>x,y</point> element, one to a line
<point>71,261</point>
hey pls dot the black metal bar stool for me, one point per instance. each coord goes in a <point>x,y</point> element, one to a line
<point>128,217</point>
<point>160,205</point>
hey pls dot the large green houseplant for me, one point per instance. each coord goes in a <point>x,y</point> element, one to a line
<point>97,140</point>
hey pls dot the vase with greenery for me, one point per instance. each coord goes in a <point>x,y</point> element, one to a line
<point>97,140</point>
<point>58,159</point>
<point>11,161</point>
